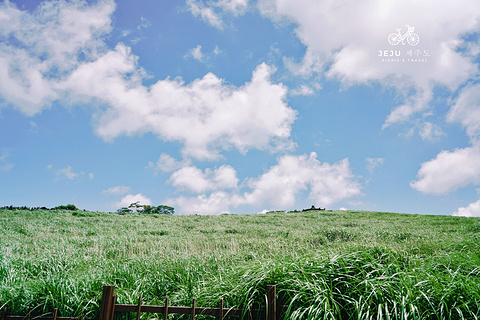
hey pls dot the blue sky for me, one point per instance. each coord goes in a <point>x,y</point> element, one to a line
<point>241,106</point>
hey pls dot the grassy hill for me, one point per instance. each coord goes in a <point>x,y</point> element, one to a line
<point>326,264</point>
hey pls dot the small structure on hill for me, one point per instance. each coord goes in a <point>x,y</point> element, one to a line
<point>313,208</point>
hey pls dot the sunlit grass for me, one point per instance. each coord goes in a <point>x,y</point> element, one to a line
<point>326,265</point>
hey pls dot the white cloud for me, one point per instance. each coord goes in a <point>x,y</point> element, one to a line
<point>193,179</point>
<point>67,173</point>
<point>234,6</point>
<point>343,40</point>
<point>39,49</point>
<point>117,190</point>
<point>303,90</point>
<point>205,115</point>
<point>312,63</point>
<point>196,53</point>
<point>224,177</point>
<point>467,111</point>
<point>431,131</point>
<point>197,8</point>
<point>279,187</point>
<point>132,198</point>
<point>449,171</point>
<point>62,57</point>
<point>167,163</point>
<point>213,11</point>
<point>372,163</point>
<point>472,210</point>
<point>217,202</point>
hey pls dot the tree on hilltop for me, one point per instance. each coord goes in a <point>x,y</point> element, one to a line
<point>136,207</point>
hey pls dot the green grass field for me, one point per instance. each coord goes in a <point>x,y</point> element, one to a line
<point>326,264</point>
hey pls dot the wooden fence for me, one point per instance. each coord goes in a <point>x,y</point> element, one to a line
<point>54,316</point>
<point>108,307</point>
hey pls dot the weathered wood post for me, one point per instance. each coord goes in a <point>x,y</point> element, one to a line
<point>107,306</point>
<point>271,302</point>
<point>193,309</point>
<point>165,311</point>
<point>55,314</point>
<point>220,312</point>
<point>139,307</point>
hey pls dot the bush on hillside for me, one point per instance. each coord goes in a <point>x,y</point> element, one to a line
<point>136,207</point>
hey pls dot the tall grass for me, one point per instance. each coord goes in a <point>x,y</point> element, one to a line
<point>326,265</point>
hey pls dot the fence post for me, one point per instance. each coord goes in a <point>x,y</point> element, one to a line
<point>165,312</point>
<point>107,305</point>
<point>193,309</point>
<point>272,302</point>
<point>139,307</point>
<point>220,312</point>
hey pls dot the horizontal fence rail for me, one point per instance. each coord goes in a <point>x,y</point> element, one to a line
<point>108,307</point>
<point>53,316</point>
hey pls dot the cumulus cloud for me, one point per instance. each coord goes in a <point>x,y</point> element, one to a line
<point>132,198</point>
<point>281,184</point>
<point>343,41</point>
<point>279,187</point>
<point>37,50</point>
<point>216,203</point>
<point>195,180</point>
<point>62,57</point>
<point>466,110</point>
<point>205,115</point>
<point>352,55</point>
<point>472,210</point>
<point>449,171</point>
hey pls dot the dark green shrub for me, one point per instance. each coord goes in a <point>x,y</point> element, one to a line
<point>67,207</point>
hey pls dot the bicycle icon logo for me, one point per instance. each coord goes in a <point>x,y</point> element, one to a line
<point>412,38</point>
